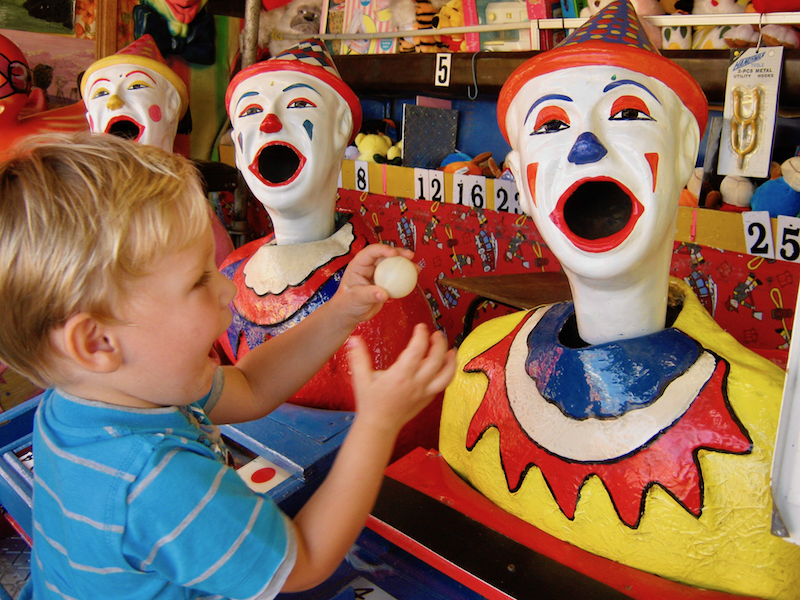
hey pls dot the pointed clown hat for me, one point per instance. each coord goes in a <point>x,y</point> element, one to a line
<point>613,37</point>
<point>144,53</point>
<point>310,57</point>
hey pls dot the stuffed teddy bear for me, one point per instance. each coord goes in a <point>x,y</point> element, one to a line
<point>643,8</point>
<point>378,148</point>
<point>780,196</point>
<point>279,17</point>
<point>451,15</point>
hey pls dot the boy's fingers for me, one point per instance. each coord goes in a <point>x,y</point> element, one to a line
<point>435,357</point>
<point>445,374</point>
<point>416,348</point>
<point>359,357</point>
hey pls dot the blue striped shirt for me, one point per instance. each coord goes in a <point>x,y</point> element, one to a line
<point>139,503</point>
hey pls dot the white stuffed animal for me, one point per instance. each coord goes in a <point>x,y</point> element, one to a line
<point>296,16</point>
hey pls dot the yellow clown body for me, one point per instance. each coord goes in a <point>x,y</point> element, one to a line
<point>727,547</point>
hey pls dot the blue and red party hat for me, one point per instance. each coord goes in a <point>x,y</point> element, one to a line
<point>310,57</point>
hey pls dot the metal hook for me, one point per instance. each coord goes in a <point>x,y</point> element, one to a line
<point>744,127</point>
<point>474,78</point>
<point>760,34</point>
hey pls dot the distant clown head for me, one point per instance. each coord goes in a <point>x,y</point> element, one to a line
<point>292,118</point>
<point>604,134</point>
<point>134,94</point>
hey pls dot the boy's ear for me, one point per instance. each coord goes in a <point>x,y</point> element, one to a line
<point>89,343</point>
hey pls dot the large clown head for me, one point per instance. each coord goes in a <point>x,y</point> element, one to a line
<point>15,81</point>
<point>292,118</point>
<point>134,94</point>
<point>604,134</point>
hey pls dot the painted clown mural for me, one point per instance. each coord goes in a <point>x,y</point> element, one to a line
<point>15,91</point>
<point>292,118</point>
<point>626,422</point>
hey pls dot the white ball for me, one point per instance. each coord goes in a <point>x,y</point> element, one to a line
<point>397,275</point>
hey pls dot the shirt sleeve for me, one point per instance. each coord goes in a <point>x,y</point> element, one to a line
<point>194,522</point>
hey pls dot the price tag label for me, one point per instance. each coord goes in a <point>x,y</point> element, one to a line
<point>443,68</point>
<point>788,242</point>
<point>362,175</point>
<point>758,233</point>
<point>506,197</point>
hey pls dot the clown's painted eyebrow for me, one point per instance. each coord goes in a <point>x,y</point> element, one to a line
<point>615,84</point>
<point>545,98</point>
<point>101,80</point>
<point>141,73</point>
<point>300,85</point>
<point>245,95</point>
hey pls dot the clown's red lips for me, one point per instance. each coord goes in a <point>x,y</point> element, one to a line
<point>597,214</point>
<point>277,164</point>
<point>125,127</point>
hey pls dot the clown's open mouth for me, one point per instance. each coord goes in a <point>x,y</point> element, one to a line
<point>125,127</point>
<point>277,164</point>
<point>597,214</point>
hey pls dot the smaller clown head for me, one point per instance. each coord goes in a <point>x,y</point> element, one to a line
<point>134,94</point>
<point>15,79</point>
<point>292,118</point>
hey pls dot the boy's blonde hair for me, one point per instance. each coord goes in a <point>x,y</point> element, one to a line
<point>80,216</point>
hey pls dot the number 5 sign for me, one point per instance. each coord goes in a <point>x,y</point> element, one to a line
<point>788,239</point>
<point>443,64</point>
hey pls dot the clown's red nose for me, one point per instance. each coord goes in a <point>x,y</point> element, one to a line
<point>271,124</point>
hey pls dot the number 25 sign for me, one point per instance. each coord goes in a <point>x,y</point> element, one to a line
<point>758,236</point>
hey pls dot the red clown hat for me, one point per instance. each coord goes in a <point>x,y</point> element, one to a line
<point>614,37</point>
<point>144,53</point>
<point>310,57</point>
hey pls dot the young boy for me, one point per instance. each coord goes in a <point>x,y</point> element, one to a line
<point>111,298</point>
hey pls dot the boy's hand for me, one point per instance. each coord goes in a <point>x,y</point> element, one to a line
<point>391,398</point>
<point>358,298</point>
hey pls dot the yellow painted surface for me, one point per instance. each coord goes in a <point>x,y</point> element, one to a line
<point>728,548</point>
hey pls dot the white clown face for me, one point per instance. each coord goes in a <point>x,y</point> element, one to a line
<point>600,155</point>
<point>134,102</point>
<point>290,131</point>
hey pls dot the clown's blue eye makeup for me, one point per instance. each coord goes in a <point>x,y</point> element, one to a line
<point>100,93</point>
<point>253,109</point>
<point>301,103</point>
<point>629,108</point>
<point>550,120</point>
